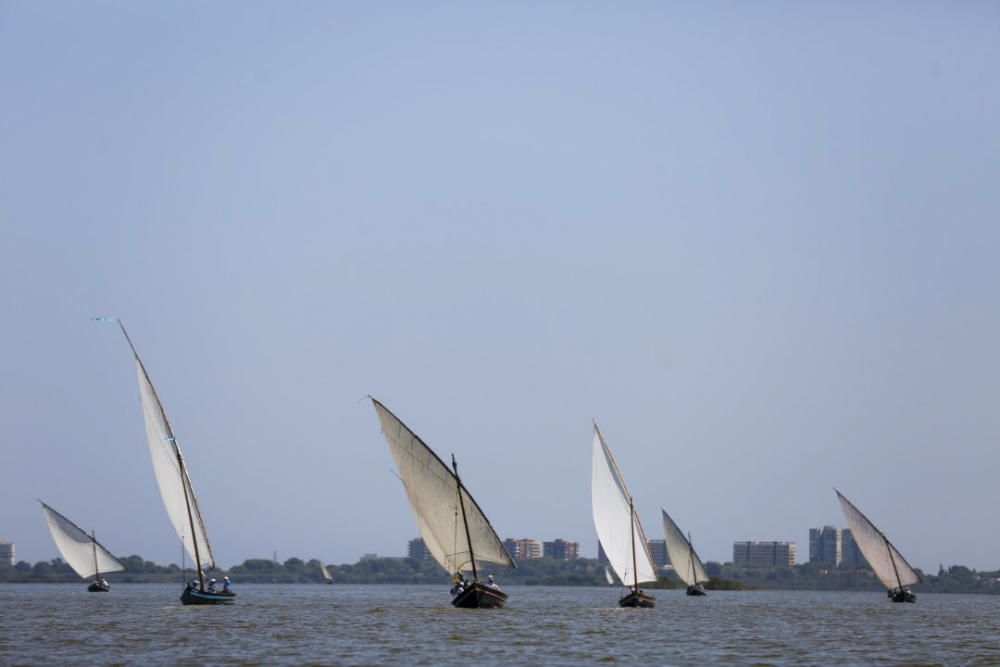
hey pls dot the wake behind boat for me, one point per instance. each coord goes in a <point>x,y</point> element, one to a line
<point>176,489</point>
<point>888,564</point>
<point>685,561</point>
<point>81,551</point>
<point>454,528</point>
<point>618,526</point>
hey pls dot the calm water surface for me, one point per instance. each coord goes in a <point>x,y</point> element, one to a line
<point>303,624</point>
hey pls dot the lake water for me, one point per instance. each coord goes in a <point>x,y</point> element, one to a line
<point>317,624</point>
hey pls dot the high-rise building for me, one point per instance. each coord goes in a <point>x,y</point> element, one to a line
<point>825,545</point>
<point>851,554</point>
<point>763,554</point>
<point>524,549</point>
<point>561,550</point>
<point>417,550</point>
<point>6,552</point>
<point>658,550</point>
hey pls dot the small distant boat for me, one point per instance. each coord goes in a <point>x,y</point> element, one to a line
<point>888,564</point>
<point>685,561</point>
<point>176,488</point>
<point>454,528</point>
<point>618,526</point>
<point>607,575</point>
<point>81,551</point>
<point>326,573</point>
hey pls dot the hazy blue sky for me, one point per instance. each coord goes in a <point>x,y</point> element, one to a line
<point>758,242</point>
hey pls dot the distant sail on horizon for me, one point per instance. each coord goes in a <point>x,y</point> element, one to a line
<point>682,555</point>
<point>81,551</point>
<point>885,560</point>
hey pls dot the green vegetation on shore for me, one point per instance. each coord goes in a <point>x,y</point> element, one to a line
<point>534,572</point>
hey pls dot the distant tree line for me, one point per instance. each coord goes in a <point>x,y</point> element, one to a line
<point>532,572</point>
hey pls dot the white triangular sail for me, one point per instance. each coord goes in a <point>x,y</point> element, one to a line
<point>433,493</point>
<point>889,565</point>
<point>617,522</point>
<point>81,551</point>
<point>607,575</point>
<point>325,572</point>
<point>171,472</point>
<point>682,557</point>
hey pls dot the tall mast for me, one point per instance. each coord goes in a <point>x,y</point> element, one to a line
<point>180,459</point>
<point>899,582</point>
<point>465,520</point>
<point>93,541</point>
<point>694,575</point>
<point>631,516</point>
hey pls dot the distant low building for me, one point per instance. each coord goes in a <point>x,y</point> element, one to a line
<point>6,552</point>
<point>370,557</point>
<point>417,550</point>
<point>561,549</point>
<point>523,549</point>
<point>765,554</point>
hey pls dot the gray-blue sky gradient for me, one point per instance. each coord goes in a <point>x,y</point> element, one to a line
<point>758,243</point>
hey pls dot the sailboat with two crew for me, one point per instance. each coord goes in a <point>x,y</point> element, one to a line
<point>885,560</point>
<point>454,528</point>
<point>683,558</point>
<point>618,527</point>
<point>176,488</point>
<point>82,552</point>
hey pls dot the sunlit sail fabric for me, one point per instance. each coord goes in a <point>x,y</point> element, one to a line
<point>84,554</point>
<point>326,572</point>
<point>173,481</point>
<point>433,493</point>
<point>686,563</point>
<point>607,575</point>
<point>617,523</point>
<point>884,559</point>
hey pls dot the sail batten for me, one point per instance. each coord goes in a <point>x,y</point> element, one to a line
<point>885,560</point>
<point>682,555</point>
<point>433,492</point>
<point>81,551</point>
<point>618,527</point>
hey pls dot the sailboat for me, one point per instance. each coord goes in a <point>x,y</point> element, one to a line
<point>607,575</point>
<point>618,526</point>
<point>686,563</point>
<point>176,489</point>
<point>326,573</point>
<point>889,565</point>
<point>82,552</point>
<point>455,530</point>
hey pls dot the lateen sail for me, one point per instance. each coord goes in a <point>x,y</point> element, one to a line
<point>83,553</point>
<point>686,563</point>
<point>884,559</point>
<point>175,483</point>
<point>618,526</point>
<point>431,488</point>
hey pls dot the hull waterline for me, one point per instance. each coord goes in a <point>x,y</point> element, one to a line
<point>479,596</point>
<point>637,599</point>
<point>194,596</point>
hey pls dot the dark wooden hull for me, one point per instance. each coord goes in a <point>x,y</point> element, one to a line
<point>637,599</point>
<point>194,596</point>
<point>696,590</point>
<point>902,596</point>
<point>478,596</point>
<point>95,587</point>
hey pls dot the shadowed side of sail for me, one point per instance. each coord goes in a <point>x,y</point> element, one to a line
<point>618,527</point>
<point>82,552</point>
<point>682,556</point>
<point>431,488</point>
<point>881,555</point>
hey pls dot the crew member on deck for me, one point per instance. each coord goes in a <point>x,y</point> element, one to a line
<point>491,583</point>
<point>211,585</point>
<point>227,586</point>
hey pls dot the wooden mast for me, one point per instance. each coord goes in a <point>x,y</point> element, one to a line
<point>465,520</point>
<point>631,516</point>
<point>97,570</point>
